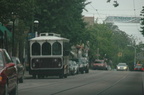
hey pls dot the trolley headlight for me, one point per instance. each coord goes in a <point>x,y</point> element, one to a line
<point>37,60</point>
<point>33,64</point>
<point>55,60</point>
<point>59,64</point>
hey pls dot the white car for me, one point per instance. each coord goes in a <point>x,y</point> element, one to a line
<point>76,67</point>
<point>122,67</point>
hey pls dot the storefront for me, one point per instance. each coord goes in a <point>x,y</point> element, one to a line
<point>5,37</point>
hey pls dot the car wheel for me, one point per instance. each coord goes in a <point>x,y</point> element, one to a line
<point>15,91</point>
<point>6,90</point>
<point>65,76</point>
<point>77,72</point>
<point>34,76</point>
<point>82,72</point>
<point>61,76</point>
<point>87,71</point>
<point>21,79</point>
<point>40,77</point>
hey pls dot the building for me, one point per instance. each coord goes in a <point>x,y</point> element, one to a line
<point>89,20</point>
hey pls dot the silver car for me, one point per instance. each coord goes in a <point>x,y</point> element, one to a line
<point>122,67</point>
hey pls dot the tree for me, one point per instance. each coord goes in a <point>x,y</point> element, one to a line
<point>61,16</point>
<point>111,41</point>
<point>115,3</point>
<point>142,21</point>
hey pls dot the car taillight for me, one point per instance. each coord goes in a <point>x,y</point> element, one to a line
<point>1,78</point>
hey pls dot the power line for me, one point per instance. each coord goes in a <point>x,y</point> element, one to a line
<point>135,14</point>
<point>96,11</point>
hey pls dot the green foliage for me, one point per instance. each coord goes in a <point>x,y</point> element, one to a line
<point>61,16</point>
<point>22,8</point>
<point>65,17</point>
<point>142,21</point>
<point>110,41</point>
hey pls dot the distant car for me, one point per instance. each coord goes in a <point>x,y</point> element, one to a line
<point>109,68</point>
<point>20,69</point>
<point>122,67</point>
<point>8,75</point>
<point>139,67</point>
<point>99,64</point>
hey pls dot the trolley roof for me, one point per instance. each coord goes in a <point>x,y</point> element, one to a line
<point>49,38</point>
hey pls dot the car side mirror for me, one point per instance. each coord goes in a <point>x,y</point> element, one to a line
<point>10,65</point>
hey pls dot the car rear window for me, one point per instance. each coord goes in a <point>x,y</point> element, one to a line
<point>1,59</point>
<point>99,62</point>
<point>138,66</point>
<point>122,64</point>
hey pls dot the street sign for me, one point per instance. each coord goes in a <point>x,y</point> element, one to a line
<point>119,54</point>
<point>31,35</point>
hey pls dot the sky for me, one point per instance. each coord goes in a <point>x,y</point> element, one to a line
<point>100,9</point>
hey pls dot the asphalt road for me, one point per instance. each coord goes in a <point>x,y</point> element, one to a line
<point>97,82</point>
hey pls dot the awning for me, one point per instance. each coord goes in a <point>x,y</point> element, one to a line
<point>3,29</point>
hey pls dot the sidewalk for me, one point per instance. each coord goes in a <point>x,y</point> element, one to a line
<point>26,75</point>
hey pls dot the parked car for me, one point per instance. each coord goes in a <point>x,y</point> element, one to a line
<point>109,68</point>
<point>99,64</point>
<point>76,67</point>
<point>73,67</point>
<point>8,75</point>
<point>122,67</point>
<point>83,64</point>
<point>20,69</point>
<point>139,67</point>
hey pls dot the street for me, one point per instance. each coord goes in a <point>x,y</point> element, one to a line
<point>96,82</point>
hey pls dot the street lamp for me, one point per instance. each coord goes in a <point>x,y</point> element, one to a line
<point>36,23</point>
<point>13,32</point>
<point>134,53</point>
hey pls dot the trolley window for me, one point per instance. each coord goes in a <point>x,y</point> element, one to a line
<point>46,48</point>
<point>36,48</point>
<point>56,48</point>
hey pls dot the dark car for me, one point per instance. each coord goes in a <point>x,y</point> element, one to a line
<point>139,67</point>
<point>8,75</point>
<point>99,64</point>
<point>20,69</point>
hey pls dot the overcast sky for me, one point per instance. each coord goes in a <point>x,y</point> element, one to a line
<point>100,9</point>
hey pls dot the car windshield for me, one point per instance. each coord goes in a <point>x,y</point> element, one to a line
<point>1,59</point>
<point>98,62</point>
<point>14,59</point>
<point>122,64</point>
<point>138,66</point>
